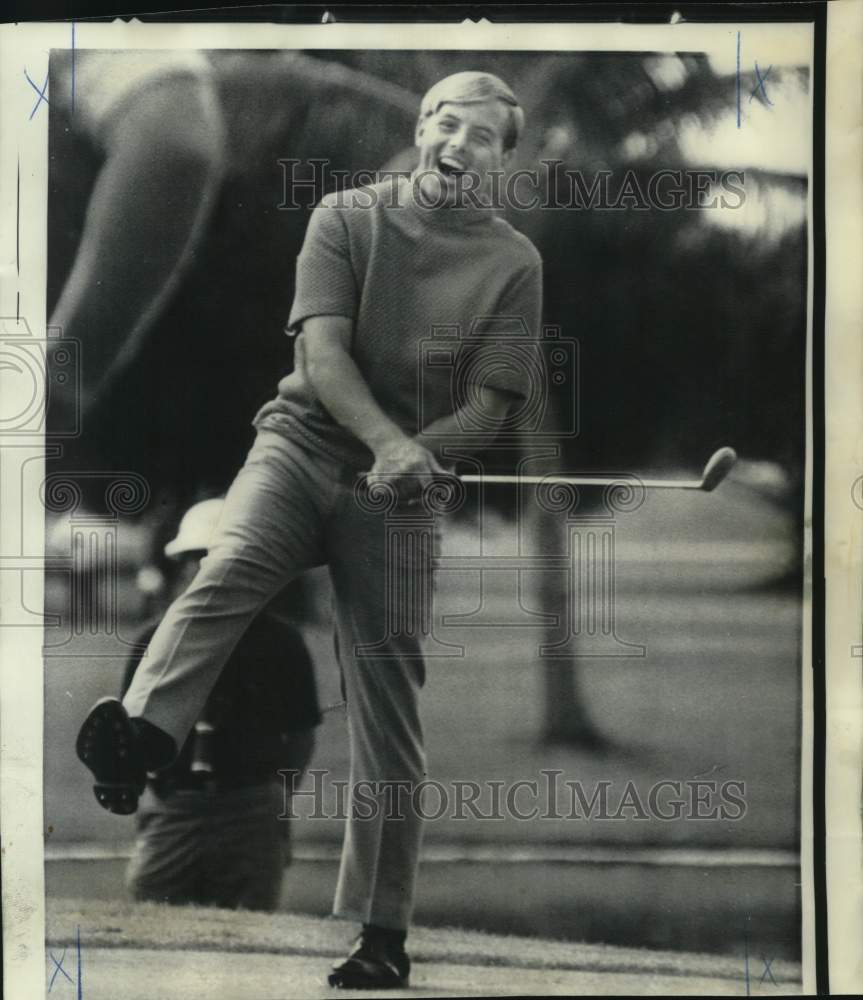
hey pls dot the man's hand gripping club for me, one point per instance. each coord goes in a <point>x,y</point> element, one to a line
<point>322,355</point>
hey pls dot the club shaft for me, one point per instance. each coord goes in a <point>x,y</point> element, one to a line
<point>678,484</point>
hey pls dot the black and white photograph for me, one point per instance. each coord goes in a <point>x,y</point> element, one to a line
<point>411,509</point>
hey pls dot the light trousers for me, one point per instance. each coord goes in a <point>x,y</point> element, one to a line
<point>287,511</point>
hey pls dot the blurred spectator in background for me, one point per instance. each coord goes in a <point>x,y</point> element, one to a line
<point>208,825</point>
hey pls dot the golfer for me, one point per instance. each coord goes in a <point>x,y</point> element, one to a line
<point>381,266</point>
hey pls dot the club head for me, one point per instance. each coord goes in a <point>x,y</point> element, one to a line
<point>720,464</point>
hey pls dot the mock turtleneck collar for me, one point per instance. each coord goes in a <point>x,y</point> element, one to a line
<point>454,216</point>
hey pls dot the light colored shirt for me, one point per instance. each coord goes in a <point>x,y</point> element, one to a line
<point>415,281</point>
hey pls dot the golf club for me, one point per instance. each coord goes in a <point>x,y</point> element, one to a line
<point>716,469</point>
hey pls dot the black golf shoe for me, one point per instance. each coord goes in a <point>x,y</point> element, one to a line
<point>109,745</point>
<point>374,964</point>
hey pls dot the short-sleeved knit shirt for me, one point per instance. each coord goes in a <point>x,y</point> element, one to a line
<point>401,272</point>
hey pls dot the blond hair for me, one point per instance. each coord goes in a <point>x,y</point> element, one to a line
<point>471,87</point>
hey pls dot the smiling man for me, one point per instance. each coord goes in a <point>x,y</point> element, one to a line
<point>467,131</point>
<point>380,267</point>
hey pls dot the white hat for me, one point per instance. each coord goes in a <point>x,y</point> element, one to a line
<point>196,528</point>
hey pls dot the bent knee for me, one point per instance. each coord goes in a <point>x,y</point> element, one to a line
<point>182,115</point>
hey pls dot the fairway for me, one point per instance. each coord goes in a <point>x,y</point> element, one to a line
<point>145,951</point>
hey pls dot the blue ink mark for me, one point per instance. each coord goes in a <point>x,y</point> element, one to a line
<point>767,971</point>
<point>58,968</point>
<point>80,978</point>
<point>18,219</point>
<point>760,85</point>
<point>738,79</point>
<point>73,67</point>
<point>41,93</point>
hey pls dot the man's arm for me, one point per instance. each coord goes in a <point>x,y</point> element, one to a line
<point>506,385</point>
<point>523,298</point>
<point>449,430</point>
<point>323,353</point>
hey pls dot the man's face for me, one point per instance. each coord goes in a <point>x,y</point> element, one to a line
<point>461,139</point>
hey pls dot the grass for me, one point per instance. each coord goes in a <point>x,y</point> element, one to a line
<point>718,693</point>
<point>151,925</point>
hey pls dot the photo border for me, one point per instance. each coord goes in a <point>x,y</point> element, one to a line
<point>20,769</point>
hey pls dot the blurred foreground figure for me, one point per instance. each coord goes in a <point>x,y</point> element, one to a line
<point>171,252</point>
<point>157,124</point>
<point>208,826</point>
